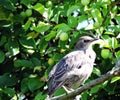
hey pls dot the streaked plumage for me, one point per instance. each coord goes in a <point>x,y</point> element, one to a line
<point>75,68</point>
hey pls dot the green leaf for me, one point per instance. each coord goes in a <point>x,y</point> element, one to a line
<point>114,43</point>
<point>56,18</point>
<point>2,56</point>
<point>9,91</point>
<point>114,79</point>
<point>117,54</point>
<point>97,15</point>
<point>109,33</point>
<point>96,71</point>
<point>95,89</point>
<point>57,56</point>
<point>27,2</point>
<point>13,47</point>
<point>3,40</point>
<point>51,49</point>
<point>34,83</point>
<point>72,9</point>
<point>5,23</point>
<point>4,15</point>
<point>51,35</point>
<point>28,43</point>
<point>36,61</point>
<point>24,85</point>
<point>23,63</point>
<point>43,45</point>
<point>41,27</point>
<point>39,7</point>
<point>61,28</point>
<point>107,21</point>
<point>33,34</point>
<point>48,13</point>
<point>72,21</point>
<point>117,17</point>
<point>40,96</point>
<point>27,25</point>
<point>59,92</point>
<point>85,95</point>
<point>108,41</point>
<point>104,84</point>
<point>7,4</point>
<point>74,38</point>
<point>7,80</point>
<point>17,18</point>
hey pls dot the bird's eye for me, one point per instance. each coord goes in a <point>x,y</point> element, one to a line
<point>86,41</point>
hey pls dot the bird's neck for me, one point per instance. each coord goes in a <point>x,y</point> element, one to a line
<point>85,49</point>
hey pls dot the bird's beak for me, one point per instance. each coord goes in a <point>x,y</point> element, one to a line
<point>98,41</point>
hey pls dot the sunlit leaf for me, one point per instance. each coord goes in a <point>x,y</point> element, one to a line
<point>97,15</point>
<point>27,42</point>
<point>107,41</point>
<point>114,79</point>
<point>95,89</point>
<point>27,25</point>
<point>117,54</point>
<point>61,28</point>
<point>114,43</point>
<point>41,27</point>
<point>39,7</point>
<point>96,71</point>
<point>13,47</point>
<point>32,34</point>
<point>72,9</point>
<point>51,35</point>
<point>55,18</point>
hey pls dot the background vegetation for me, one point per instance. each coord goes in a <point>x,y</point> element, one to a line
<point>36,34</point>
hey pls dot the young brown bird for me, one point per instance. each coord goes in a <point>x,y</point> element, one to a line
<point>75,68</point>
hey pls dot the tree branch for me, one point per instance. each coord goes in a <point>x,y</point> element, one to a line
<point>110,74</point>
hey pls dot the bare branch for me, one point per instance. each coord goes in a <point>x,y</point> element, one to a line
<point>112,73</point>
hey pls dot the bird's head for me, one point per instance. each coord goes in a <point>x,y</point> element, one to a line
<point>86,42</point>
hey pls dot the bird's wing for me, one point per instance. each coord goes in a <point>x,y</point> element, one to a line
<point>57,75</point>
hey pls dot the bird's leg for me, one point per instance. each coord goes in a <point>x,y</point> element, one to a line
<point>68,90</point>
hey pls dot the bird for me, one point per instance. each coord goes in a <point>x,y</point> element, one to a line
<point>74,68</point>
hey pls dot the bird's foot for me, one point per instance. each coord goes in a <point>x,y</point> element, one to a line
<point>68,90</point>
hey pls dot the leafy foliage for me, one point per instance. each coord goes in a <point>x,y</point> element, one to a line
<point>36,34</point>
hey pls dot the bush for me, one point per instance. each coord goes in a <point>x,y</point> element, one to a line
<point>31,33</point>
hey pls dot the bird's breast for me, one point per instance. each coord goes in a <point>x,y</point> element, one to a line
<point>81,75</point>
<point>81,70</point>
